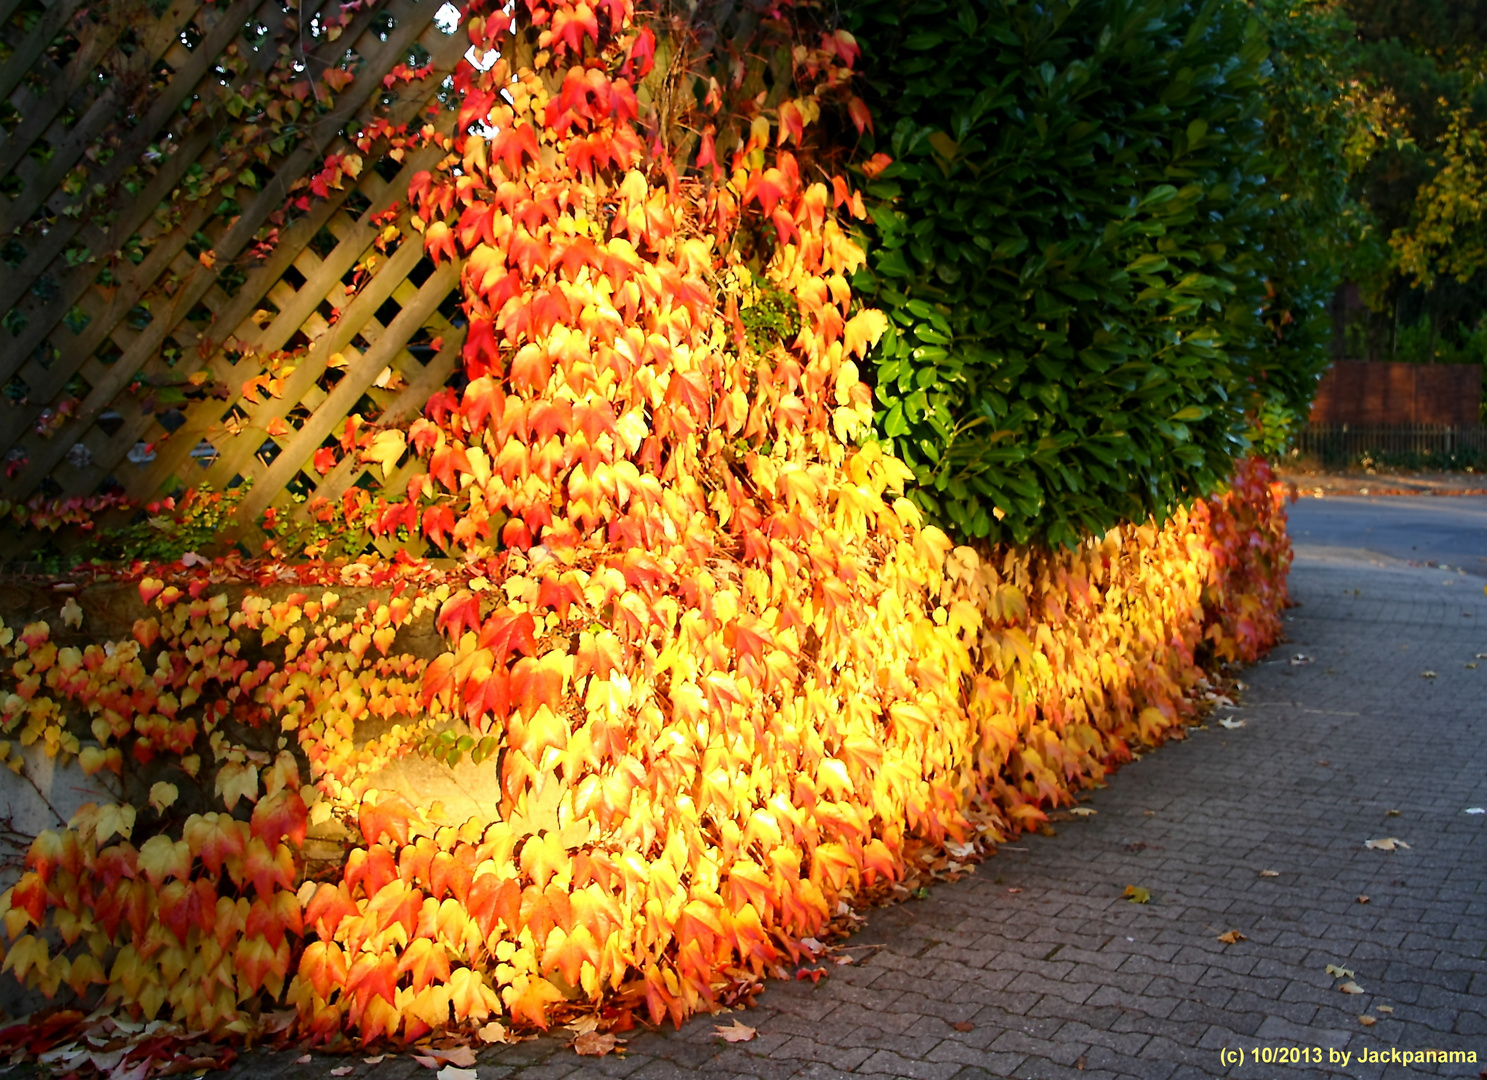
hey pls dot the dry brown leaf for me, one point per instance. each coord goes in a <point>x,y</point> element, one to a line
<point>596,1043</point>
<point>1082,811</point>
<point>1367,1021</point>
<point>1270,873</point>
<point>735,1032</point>
<point>1233,937</point>
<point>1388,843</point>
<point>494,1032</point>
<point>1362,899</point>
<point>1351,987</point>
<point>964,1025</point>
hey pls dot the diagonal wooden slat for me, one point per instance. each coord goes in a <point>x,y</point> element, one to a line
<point>26,53</point>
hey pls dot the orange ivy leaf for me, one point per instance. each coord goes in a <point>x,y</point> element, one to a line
<point>388,816</point>
<point>327,907</point>
<point>323,967</point>
<point>268,869</point>
<point>458,612</point>
<point>280,816</point>
<point>216,838</point>
<point>427,961</point>
<point>528,998</point>
<point>274,917</point>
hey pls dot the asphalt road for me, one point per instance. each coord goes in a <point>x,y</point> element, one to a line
<point>1450,532</point>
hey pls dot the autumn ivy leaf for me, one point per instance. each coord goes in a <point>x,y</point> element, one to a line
<point>387,817</point>
<point>113,819</point>
<point>160,858</point>
<point>237,780</point>
<point>281,816</point>
<point>163,796</point>
<point>387,449</point>
<point>1137,895</point>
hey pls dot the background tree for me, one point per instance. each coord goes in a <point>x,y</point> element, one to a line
<point>1423,101</point>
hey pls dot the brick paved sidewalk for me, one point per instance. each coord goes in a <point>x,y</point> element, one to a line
<point>1035,967</point>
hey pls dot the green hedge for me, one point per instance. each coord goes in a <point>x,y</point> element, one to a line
<point>1069,244</point>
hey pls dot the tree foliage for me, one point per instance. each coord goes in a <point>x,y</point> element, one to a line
<point>1421,104</point>
<point>1068,245</point>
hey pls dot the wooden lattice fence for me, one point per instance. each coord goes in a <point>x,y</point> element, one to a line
<point>142,289</point>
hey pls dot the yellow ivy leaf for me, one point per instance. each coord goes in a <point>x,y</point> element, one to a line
<point>162,796</point>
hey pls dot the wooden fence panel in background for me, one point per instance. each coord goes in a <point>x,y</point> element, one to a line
<point>130,328</point>
<point>1376,392</point>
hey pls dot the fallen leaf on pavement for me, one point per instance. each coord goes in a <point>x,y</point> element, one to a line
<point>1476,810</point>
<point>1383,1008</point>
<point>844,959</point>
<point>449,1072</point>
<point>494,1032</point>
<point>344,1070</point>
<point>1391,813</point>
<point>461,1056</point>
<point>1270,873</point>
<point>1388,843</point>
<point>596,1044</point>
<point>378,1060</point>
<point>1136,894</point>
<point>303,1059</point>
<point>1339,972</point>
<point>1362,899</point>
<point>1082,811</point>
<point>1351,987</point>
<point>964,1025</point>
<point>1014,891</point>
<point>1367,1021</point>
<point>735,1032</point>
<point>1427,674</point>
<point>1231,724</point>
<point>1300,658</point>
<point>1233,937</point>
